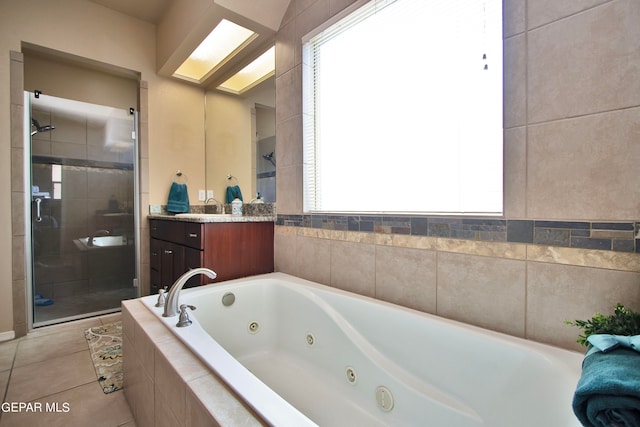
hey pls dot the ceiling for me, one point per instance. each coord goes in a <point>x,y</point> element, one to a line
<point>265,12</point>
<point>146,10</point>
<point>197,18</point>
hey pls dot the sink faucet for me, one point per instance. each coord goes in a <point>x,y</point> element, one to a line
<point>97,234</point>
<point>219,206</point>
<point>171,304</point>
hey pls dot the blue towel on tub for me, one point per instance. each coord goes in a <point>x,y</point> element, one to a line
<point>178,198</point>
<point>608,393</point>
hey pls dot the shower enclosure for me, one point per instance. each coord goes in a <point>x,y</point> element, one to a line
<point>83,239</point>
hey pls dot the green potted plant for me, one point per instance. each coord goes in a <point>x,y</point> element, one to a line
<point>624,322</point>
<point>608,392</point>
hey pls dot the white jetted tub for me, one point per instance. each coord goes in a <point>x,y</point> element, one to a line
<point>301,354</point>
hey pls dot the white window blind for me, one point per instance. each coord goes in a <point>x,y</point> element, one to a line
<point>402,109</point>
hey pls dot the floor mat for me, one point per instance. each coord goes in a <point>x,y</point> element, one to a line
<point>105,343</point>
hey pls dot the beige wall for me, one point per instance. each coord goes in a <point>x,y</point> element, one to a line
<point>175,116</point>
<point>230,139</point>
<point>62,79</point>
<point>572,121</point>
<point>229,144</point>
<point>572,104</point>
<point>90,31</point>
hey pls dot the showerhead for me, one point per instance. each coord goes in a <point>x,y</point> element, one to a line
<point>270,158</point>
<point>39,128</point>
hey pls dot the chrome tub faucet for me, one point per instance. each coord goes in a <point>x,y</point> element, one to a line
<point>171,306</point>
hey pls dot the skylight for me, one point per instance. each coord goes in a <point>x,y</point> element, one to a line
<point>225,39</point>
<point>256,72</point>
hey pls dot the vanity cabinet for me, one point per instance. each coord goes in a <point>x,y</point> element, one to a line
<point>231,249</point>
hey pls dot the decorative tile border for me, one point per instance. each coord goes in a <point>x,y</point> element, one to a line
<point>611,260</point>
<point>603,236</point>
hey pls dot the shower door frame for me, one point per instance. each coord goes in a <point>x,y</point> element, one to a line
<point>28,254</point>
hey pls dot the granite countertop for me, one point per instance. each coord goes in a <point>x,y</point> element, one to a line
<point>203,218</point>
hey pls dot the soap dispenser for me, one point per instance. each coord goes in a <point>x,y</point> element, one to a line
<point>236,207</point>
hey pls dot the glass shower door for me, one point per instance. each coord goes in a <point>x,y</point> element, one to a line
<point>82,209</point>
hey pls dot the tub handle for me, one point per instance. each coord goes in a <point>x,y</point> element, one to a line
<point>161,297</point>
<point>183,318</point>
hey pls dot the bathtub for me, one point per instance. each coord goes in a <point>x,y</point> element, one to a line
<point>303,354</point>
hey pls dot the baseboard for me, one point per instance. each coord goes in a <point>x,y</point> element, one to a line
<point>7,336</point>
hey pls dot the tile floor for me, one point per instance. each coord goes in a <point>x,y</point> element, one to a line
<point>50,371</point>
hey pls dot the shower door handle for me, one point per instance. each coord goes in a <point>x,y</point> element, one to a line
<point>38,213</point>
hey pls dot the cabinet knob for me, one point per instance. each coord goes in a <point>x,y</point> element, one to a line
<point>193,235</point>
<point>168,252</point>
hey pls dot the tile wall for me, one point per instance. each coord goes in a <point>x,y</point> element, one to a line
<point>18,217</point>
<point>566,246</point>
<point>166,384</point>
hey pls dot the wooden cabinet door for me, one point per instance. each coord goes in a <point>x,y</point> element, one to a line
<point>261,236</point>
<point>193,259</point>
<point>172,261</point>
<point>223,249</point>
<point>238,249</point>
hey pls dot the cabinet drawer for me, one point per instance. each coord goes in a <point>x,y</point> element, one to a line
<point>172,231</point>
<point>193,235</point>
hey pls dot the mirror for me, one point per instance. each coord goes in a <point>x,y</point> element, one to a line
<point>240,142</point>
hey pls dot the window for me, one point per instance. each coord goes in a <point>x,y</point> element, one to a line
<point>402,109</point>
<point>56,180</point>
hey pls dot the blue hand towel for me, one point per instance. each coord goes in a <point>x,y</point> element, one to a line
<point>608,393</point>
<point>178,198</point>
<point>607,342</point>
<point>233,192</point>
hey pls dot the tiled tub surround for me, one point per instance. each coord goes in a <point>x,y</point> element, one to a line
<point>293,348</point>
<point>523,289</point>
<point>166,384</point>
<point>571,121</point>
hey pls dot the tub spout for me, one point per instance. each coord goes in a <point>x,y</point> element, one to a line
<point>171,304</point>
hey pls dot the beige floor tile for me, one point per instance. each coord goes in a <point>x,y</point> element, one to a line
<point>53,366</point>
<point>4,381</point>
<point>7,354</point>
<point>86,405</point>
<point>110,318</point>
<point>41,379</point>
<point>41,348</point>
<point>80,325</point>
